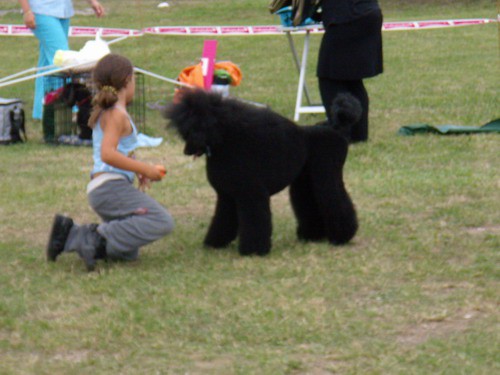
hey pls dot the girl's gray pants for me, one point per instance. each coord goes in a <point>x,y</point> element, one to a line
<point>131,219</point>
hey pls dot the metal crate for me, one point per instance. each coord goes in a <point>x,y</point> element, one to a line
<point>59,119</point>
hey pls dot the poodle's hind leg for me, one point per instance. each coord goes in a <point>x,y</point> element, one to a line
<point>224,226</point>
<point>255,228</point>
<point>310,225</point>
<point>337,209</point>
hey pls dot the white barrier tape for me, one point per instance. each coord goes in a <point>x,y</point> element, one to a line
<point>78,31</point>
<point>74,31</point>
<point>435,24</point>
<point>215,30</point>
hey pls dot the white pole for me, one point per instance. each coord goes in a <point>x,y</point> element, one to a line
<point>36,69</point>
<point>33,76</point>
<point>119,39</point>
<point>173,81</point>
<point>25,72</point>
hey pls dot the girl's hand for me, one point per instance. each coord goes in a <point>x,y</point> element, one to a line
<point>154,172</point>
<point>144,182</point>
<point>162,170</point>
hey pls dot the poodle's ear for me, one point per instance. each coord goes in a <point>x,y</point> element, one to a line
<point>194,116</point>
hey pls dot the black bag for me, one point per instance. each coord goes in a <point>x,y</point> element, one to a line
<point>12,121</point>
<point>301,9</point>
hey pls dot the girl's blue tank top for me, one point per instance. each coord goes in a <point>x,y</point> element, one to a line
<point>126,146</point>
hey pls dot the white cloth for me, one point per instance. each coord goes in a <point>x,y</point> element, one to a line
<point>144,140</point>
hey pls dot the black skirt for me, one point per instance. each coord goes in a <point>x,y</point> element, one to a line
<point>353,50</point>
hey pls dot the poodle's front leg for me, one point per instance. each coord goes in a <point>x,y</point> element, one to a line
<point>255,229</point>
<point>224,226</point>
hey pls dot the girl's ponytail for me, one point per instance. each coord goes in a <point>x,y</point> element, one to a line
<point>105,98</point>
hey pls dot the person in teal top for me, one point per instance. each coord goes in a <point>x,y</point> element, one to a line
<point>50,20</point>
<point>130,218</point>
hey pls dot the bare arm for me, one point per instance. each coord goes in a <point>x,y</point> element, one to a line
<point>115,125</point>
<point>29,17</point>
<point>97,7</point>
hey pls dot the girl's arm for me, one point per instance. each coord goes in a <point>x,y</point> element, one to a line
<point>115,124</point>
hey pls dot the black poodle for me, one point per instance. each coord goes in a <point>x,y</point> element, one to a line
<point>253,153</point>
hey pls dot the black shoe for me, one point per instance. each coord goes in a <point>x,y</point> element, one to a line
<point>58,236</point>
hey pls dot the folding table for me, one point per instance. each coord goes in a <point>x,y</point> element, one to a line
<point>301,66</point>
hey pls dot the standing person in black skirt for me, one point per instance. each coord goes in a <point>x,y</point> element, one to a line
<point>351,50</point>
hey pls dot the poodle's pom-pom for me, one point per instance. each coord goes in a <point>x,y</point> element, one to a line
<point>345,110</point>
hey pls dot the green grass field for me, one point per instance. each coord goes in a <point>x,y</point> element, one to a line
<point>415,292</point>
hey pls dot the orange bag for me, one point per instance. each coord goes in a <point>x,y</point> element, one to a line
<point>193,75</point>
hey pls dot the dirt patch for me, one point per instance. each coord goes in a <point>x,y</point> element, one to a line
<point>438,326</point>
<point>222,365</point>
<point>316,364</point>
<point>490,229</point>
<point>75,356</point>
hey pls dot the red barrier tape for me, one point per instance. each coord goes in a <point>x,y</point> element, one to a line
<point>78,31</point>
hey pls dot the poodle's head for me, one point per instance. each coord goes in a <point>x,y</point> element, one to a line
<point>194,117</point>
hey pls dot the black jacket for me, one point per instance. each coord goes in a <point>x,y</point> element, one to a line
<point>343,11</point>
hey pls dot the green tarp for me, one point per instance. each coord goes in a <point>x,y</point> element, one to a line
<point>490,127</point>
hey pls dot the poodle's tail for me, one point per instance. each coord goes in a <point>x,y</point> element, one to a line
<point>345,111</point>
